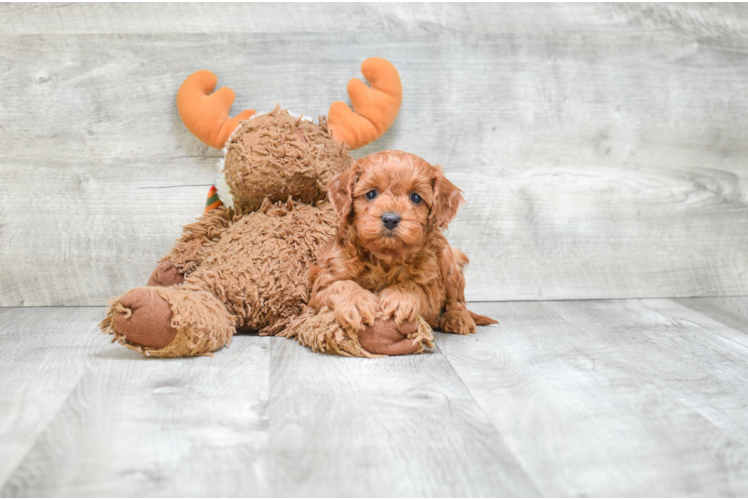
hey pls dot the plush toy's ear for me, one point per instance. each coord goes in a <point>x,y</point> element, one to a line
<point>447,200</point>
<point>375,108</point>
<point>206,115</point>
<point>340,191</point>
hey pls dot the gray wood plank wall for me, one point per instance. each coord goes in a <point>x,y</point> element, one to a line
<point>601,147</point>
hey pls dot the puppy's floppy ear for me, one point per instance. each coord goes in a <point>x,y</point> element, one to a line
<point>340,191</point>
<point>447,200</point>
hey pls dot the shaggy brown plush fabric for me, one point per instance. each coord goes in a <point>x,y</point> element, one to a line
<point>260,268</point>
<point>188,253</point>
<point>279,156</point>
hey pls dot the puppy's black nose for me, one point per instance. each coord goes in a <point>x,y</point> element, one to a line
<point>390,220</point>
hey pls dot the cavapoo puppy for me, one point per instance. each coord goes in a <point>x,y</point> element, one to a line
<point>389,258</point>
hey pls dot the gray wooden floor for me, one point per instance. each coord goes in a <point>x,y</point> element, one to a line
<point>621,397</point>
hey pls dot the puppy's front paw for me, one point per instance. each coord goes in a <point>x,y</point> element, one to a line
<point>357,311</point>
<point>399,305</point>
<point>454,321</point>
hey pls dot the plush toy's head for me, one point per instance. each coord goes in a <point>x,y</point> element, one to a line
<point>278,155</point>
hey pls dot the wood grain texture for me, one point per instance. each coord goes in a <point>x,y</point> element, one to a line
<point>573,398</point>
<point>732,311</point>
<point>65,18</point>
<point>601,147</point>
<point>612,398</point>
<point>401,426</point>
<point>136,426</point>
<point>264,417</point>
<point>44,352</point>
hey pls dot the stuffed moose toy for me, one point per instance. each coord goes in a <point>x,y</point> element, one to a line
<point>244,265</point>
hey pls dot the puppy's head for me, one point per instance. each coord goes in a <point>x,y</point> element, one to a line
<point>393,200</point>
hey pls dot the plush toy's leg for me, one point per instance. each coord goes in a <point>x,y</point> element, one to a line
<point>187,253</point>
<point>322,333</point>
<point>169,322</point>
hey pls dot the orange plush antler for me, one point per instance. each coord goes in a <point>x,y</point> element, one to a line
<point>207,115</point>
<point>376,107</point>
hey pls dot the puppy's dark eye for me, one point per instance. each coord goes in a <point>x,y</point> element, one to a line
<point>415,198</point>
<point>371,194</point>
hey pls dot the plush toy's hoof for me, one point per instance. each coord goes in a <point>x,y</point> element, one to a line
<point>322,333</point>
<point>166,274</point>
<point>387,337</point>
<point>144,319</point>
<point>169,322</point>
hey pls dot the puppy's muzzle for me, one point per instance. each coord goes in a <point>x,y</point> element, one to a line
<point>390,220</point>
